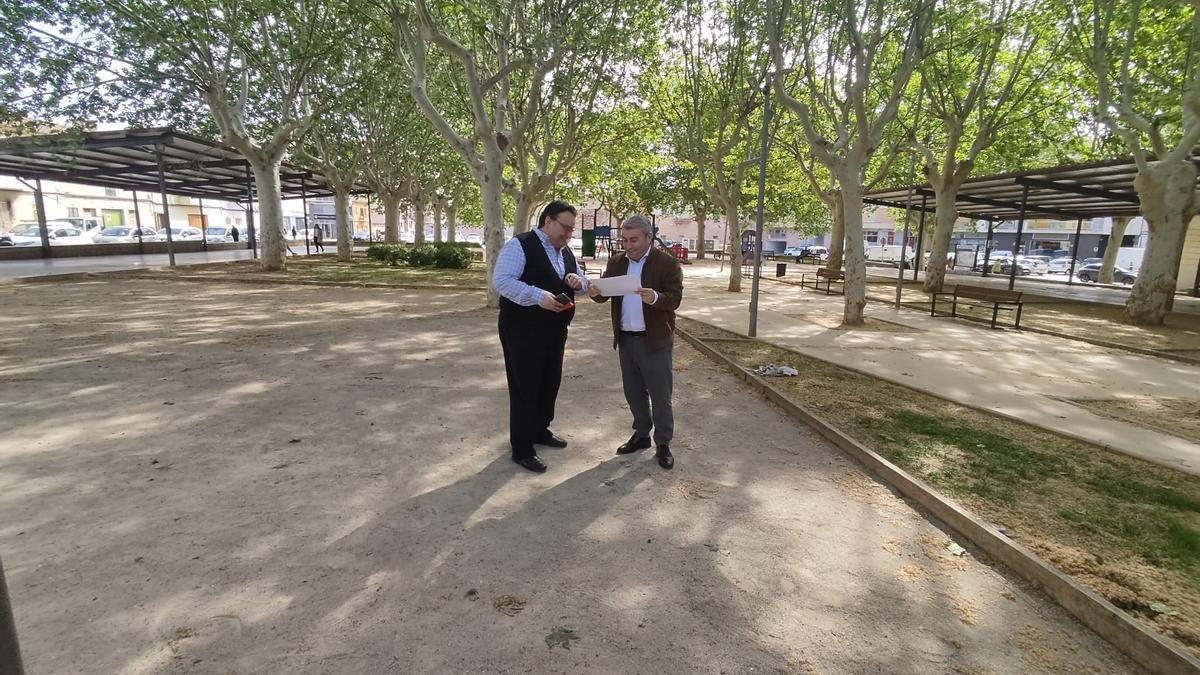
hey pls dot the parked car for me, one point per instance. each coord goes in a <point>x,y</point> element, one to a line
<point>1093,261</point>
<point>181,234</point>
<point>60,234</point>
<point>996,256</point>
<point>1063,265</point>
<point>362,235</point>
<point>90,226</point>
<point>802,253</point>
<point>123,235</point>
<point>1120,275</point>
<point>6,239</point>
<point>1040,264</point>
<point>218,234</point>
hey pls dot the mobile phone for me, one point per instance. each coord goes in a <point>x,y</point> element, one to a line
<point>565,300</point>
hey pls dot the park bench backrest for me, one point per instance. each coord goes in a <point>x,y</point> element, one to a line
<point>826,273</point>
<point>986,294</point>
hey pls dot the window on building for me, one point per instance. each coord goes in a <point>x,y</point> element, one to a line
<point>110,192</point>
<point>72,211</point>
<point>1129,240</point>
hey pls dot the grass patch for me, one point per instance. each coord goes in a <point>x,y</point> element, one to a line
<point>1126,527</point>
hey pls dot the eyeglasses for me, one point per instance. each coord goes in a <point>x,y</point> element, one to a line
<point>568,228</point>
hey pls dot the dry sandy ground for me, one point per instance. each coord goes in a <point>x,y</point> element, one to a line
<point>212,478</point>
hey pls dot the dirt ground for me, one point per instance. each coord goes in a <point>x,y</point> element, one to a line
<point>223,478</point>
<point>1180,417</point>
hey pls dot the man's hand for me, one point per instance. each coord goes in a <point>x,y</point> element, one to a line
<point>593,292</point>
<point>548,302</point>
<point>647,295</point>
<point>573,281</point>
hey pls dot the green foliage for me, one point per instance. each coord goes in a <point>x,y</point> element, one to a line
<point>456,256</point>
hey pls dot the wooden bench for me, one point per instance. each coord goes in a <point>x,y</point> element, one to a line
<point>980,296</point>
<point>829,276</point>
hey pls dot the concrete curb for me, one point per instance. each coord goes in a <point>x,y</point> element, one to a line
<point>1151,650</point>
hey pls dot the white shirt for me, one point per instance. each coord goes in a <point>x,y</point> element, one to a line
<point>633,316</point>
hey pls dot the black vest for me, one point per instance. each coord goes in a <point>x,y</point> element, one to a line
<point>539,272</point>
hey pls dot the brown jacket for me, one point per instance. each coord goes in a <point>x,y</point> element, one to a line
<point>661,273</point>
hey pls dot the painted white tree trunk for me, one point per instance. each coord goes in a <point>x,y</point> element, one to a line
<point>341,207</point>
<point>419,221</point>
<point>856,264</point>
<point>437,221</point>
<point>1167,193</point>
<point>451,223</point>
<point>837,235</point>
<point>735,246</point>
<point>701,216</point>
<point>391,218</point>
<point>270,216</point>
<point>1112,249</point>
<point>521,220</point>
<point>939,245</point>
<point>489,179</point>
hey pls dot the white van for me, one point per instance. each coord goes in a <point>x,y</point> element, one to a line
<point>888,254</point>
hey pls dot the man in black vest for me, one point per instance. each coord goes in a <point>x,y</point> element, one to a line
<point>532,270</point>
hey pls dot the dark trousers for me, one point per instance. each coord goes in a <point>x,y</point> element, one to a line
<point>646,378</point>
<point>533,358</point>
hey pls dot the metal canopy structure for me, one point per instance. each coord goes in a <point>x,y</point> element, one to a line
<point>1069,192</point>
<point>130,159</point>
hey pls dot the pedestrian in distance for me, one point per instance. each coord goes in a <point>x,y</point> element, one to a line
<point>536,277</point>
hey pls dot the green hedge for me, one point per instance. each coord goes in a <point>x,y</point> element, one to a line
<point>456,256</point>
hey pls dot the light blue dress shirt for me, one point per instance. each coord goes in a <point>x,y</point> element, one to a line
<point>510,265</point>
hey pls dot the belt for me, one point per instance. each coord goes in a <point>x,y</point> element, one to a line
<point>634,333</point>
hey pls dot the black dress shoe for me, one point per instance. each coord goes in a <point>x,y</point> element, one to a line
<point>550,440</point>
<point>665,459</point>
<point>532,463</point>
<point>634,444</point>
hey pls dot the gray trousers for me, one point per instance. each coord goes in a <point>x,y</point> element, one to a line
<point>646,375</point>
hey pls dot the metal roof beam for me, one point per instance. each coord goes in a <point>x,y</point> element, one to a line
<point>1080,190</point>
<point>1032,208</point>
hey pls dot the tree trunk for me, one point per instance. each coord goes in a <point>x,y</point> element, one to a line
<point>524,208</point>
<point>856,266</point>
<point>837,235</point>
<point>1112,249</point>
<point>451,222</point>
<point>270,216</point>
<point>735,245</point>
<point>1167,194</point>
<point>490,188</point>
<point>391,218</point>
<point>946,214</point>
<point>437,221</point>
<point>418,220</point>
<point>701,217</point>
<point>341,207</point>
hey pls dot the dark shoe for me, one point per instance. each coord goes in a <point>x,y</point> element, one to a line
<point>552,441</point>
<point>665,459</point>
<point>533,463</point>
<point>634,444</point>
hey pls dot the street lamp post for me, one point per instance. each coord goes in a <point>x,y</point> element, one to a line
<point>764,142</point>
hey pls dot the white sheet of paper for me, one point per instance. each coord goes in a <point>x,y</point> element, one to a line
<point>622,285</point>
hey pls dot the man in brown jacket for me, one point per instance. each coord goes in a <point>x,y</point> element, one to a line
<point>643,328</point>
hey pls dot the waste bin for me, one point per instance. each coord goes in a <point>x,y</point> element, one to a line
<point>780,269</point>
